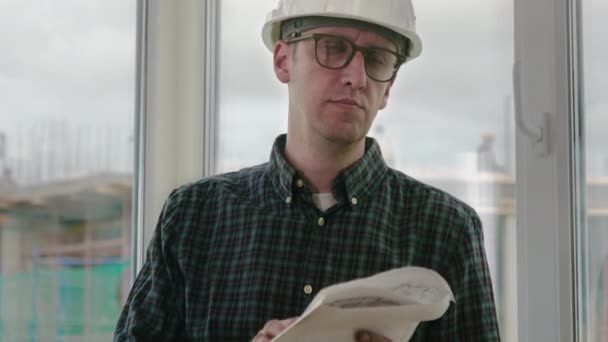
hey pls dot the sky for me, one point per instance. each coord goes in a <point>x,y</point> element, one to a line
<point>67,59</point>
<point>73,60</point>
<point>67,86</point>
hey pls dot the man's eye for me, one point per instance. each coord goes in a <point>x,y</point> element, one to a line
<point>334,46</point>
<point>377,58</point>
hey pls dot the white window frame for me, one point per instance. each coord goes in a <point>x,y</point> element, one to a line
<point>175,96</point>
<point>547,196</point>
<point>177,120</point>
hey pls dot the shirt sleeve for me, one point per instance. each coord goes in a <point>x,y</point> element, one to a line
<point>473,316</point>
<point>154,305</point>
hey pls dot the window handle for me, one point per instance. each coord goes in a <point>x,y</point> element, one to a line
<point>539,135</point>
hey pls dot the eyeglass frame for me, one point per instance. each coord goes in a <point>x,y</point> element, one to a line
<point>354,49</point>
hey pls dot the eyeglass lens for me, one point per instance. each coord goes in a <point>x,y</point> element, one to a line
<point>336,53</point>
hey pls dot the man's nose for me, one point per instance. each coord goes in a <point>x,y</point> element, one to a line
<point>354,73</point>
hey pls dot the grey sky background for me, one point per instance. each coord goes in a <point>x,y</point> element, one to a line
<point>67,86</point>
<point>73,60</point>
<point>595,76</point>
<point>67,59</point>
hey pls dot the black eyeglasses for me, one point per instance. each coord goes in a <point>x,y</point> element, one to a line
<point>334,52</point>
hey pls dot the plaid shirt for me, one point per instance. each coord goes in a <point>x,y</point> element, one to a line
<point>233,251</point>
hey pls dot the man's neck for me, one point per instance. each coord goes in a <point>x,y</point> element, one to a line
<point>320,161</point>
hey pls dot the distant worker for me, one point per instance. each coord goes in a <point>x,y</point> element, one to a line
<point>486,154</point>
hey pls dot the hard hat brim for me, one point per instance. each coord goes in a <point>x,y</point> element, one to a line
<point>272,30</point>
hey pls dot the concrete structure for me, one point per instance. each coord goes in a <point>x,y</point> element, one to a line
<point>64,250</point>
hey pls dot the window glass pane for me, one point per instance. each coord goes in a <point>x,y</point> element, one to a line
<point>66,141</point>
<point>594,252</point>
<point>449,120</point>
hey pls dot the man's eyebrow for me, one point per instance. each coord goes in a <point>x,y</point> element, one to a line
<point>390,45</point>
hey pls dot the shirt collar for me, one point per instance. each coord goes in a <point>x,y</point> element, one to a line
<point>356,182</point>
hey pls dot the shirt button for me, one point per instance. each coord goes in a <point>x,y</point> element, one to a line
<point>299,183</point>
<point>321,221</point>
<point>354,201</point>
<point>308,289</point>
<point>288,200</point>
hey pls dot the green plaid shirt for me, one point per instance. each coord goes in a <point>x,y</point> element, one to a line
<point>233,251</point>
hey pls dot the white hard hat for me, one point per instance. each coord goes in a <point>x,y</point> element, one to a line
<point>395,15</point>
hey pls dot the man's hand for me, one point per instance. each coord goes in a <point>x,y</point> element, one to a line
<point>368,336</point>
<point>272,328</point>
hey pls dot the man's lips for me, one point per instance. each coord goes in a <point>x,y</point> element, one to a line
<point>348,102</point>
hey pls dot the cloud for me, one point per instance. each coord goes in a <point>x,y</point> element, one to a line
<point>72,57</point>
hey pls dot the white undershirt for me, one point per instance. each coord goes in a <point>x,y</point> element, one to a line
<point>324,201</point>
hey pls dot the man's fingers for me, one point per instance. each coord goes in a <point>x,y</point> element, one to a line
<point>275,327</point>
<point>260,337</point>
<point>289,321</point>
<point>272,328</point>
<point>368,336</point>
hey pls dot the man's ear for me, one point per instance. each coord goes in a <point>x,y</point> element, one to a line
<point>387,92</point>
<point>280,61</point>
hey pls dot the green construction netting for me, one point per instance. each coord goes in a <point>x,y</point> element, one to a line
<point>50,304</point>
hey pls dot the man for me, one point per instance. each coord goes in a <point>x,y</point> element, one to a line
<point>238,256</point>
